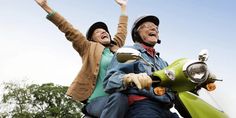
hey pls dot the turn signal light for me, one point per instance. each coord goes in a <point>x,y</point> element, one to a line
<point>159,90</point>
<point>211,87</point>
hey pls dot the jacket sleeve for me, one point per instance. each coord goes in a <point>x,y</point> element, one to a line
<point>113,80</point>
<point>80,43</point>
<point>121,34</point>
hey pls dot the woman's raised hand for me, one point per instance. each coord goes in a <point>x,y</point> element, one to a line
<point>44,5</point>
<point>41,2</point>
<point>122,2</point>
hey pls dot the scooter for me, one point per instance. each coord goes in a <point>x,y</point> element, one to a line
<point>185,77</point>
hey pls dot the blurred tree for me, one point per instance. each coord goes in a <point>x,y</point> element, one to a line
<point>38,101</point>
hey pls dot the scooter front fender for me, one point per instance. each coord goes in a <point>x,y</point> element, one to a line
<point>198,108</point>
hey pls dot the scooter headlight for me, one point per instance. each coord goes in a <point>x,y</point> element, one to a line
<point>197,72</point>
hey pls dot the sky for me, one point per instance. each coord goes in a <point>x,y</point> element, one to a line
<point>32,48</point>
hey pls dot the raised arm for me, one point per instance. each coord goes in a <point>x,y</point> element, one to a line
<point>122,4</point>
<point>44,5</point>
<point>79,41</point>
<point>121,34</point>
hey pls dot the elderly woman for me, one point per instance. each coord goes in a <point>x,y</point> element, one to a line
<point>96,50</point>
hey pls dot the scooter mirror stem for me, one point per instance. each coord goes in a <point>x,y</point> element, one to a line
<point>145,61</point>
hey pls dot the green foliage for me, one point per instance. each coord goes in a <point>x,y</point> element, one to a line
<point>38,101</point>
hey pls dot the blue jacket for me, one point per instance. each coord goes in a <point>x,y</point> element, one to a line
<point>113,80</point>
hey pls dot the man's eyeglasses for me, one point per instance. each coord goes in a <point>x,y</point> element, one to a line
<point>148,25</point>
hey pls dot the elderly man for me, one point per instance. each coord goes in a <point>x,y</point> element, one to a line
<point>143,102</point>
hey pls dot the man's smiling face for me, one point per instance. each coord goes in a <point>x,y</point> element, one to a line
<point>149,32</point>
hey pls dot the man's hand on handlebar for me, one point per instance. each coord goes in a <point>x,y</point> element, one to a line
<point>141,80</point>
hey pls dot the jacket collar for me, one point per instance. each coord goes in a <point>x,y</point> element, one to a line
<point>140,48</point>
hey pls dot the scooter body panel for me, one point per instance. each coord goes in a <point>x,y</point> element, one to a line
<point>198,108</point>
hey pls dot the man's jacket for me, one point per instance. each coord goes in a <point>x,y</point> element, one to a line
<point>113,81</point>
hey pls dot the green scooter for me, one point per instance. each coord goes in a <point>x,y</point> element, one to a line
<point>185,77</point>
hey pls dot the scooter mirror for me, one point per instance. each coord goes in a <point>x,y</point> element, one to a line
<point>127,55</point>
<point>203,55</point>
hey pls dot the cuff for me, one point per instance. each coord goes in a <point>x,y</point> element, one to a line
<point>51,14</point>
